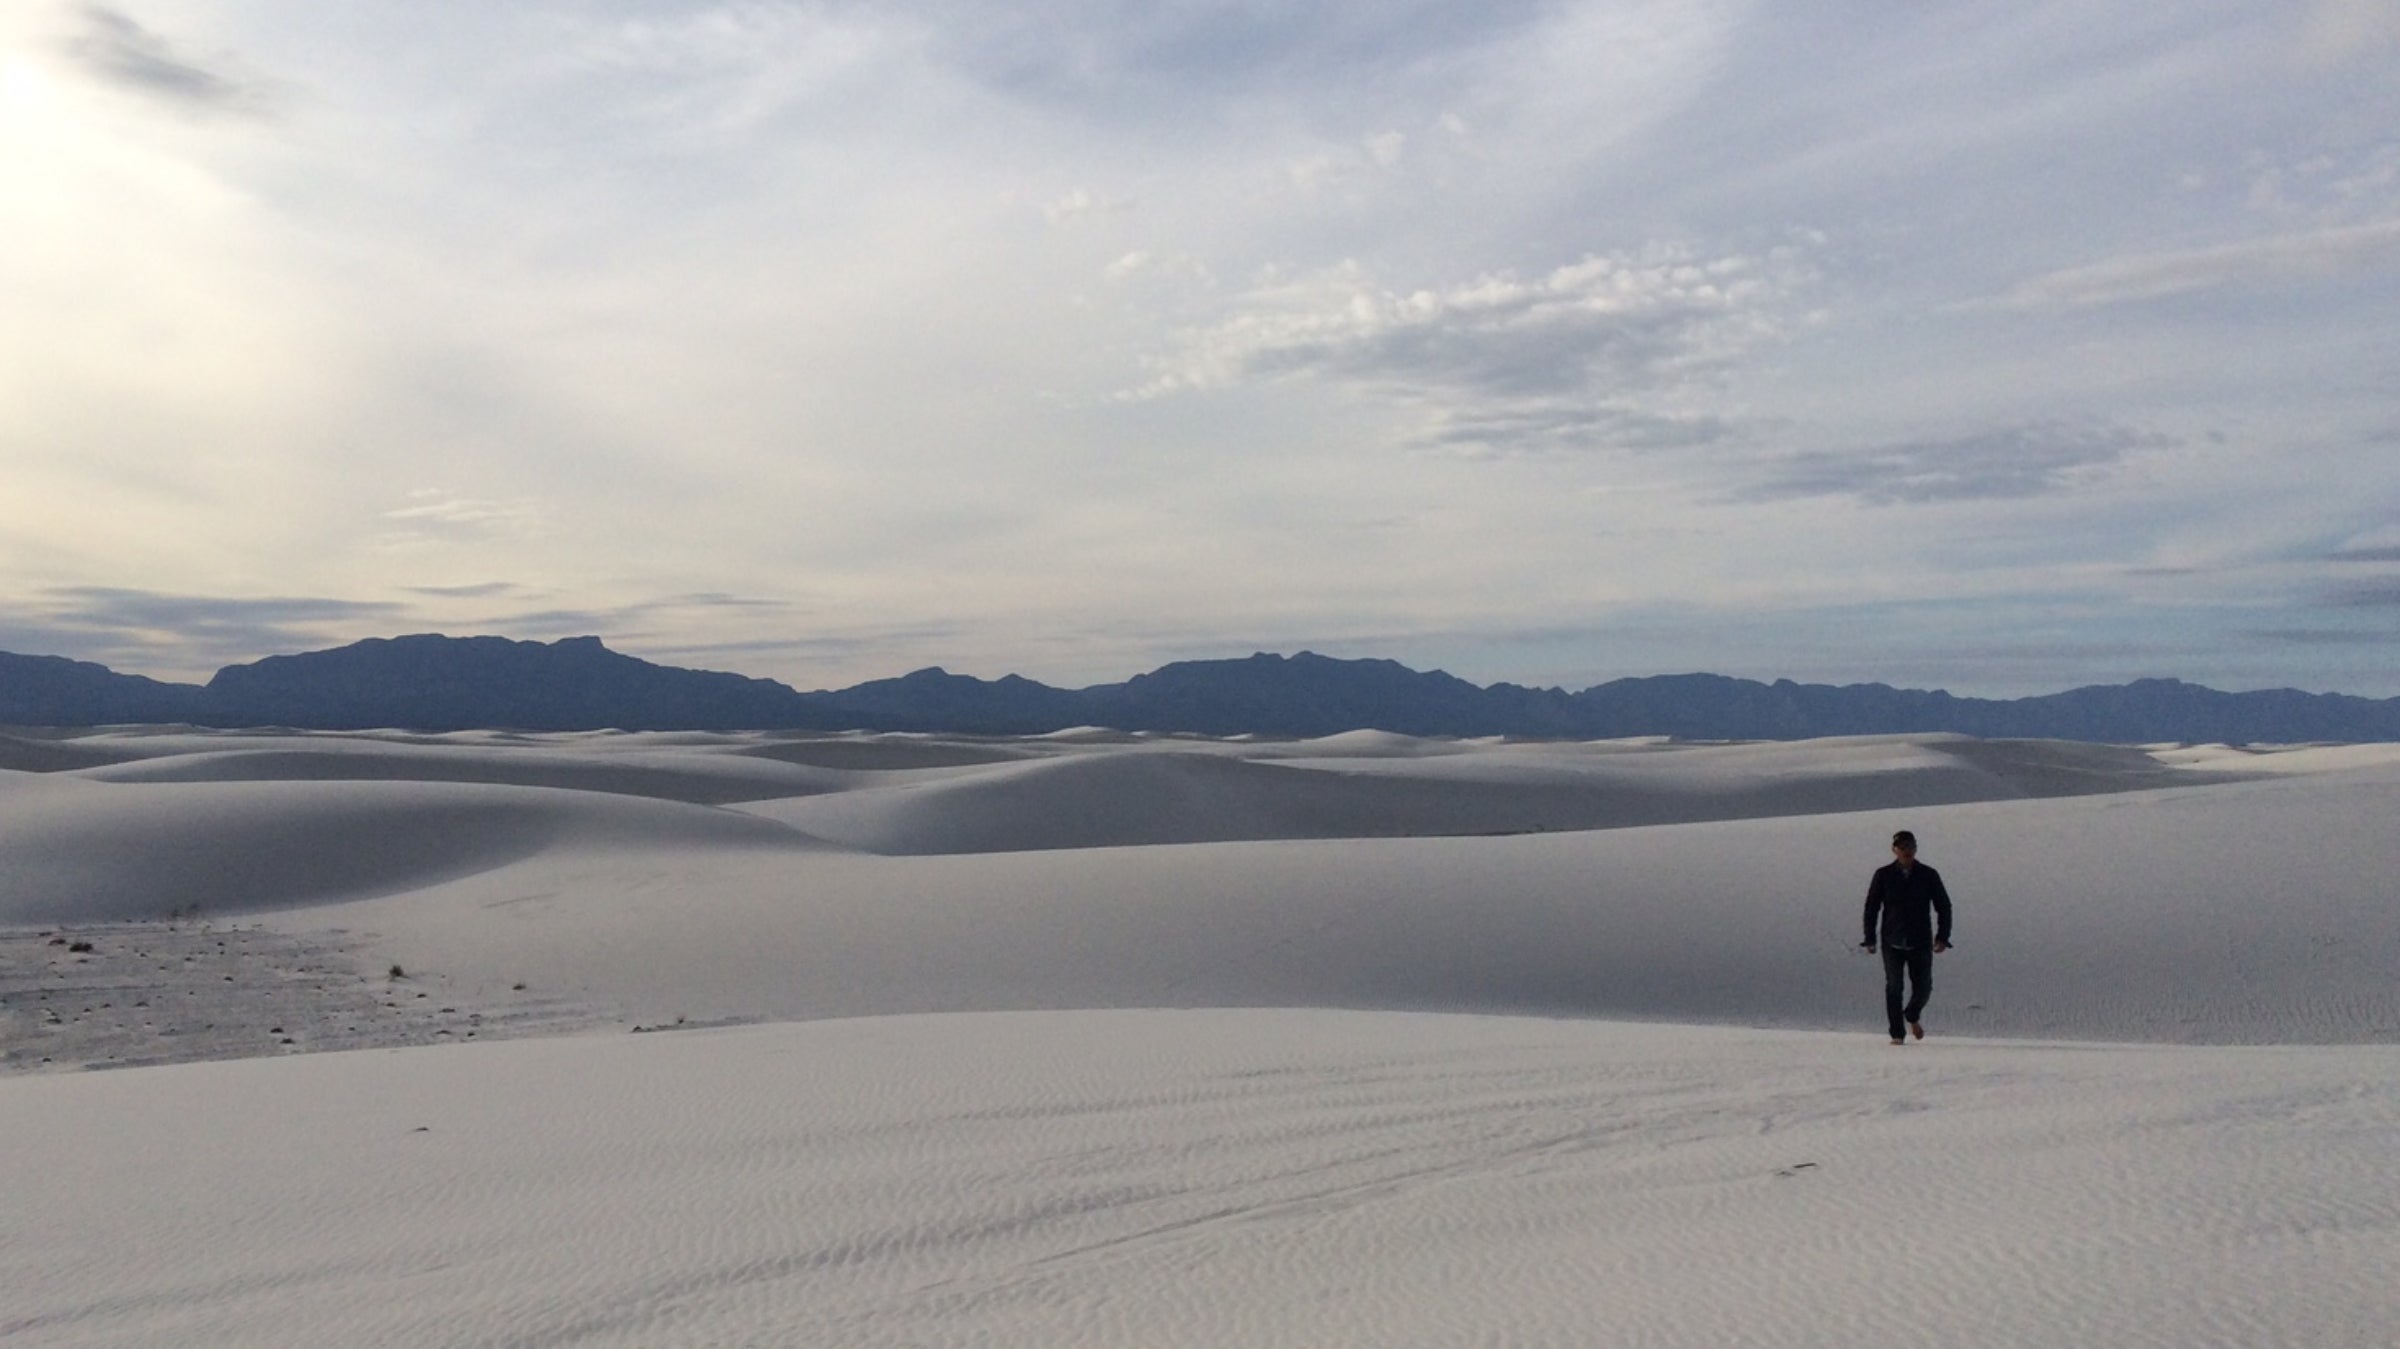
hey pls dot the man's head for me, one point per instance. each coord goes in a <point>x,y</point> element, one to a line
<point>1904,846</point>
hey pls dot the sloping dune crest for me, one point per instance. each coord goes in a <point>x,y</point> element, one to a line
<point>57,754</point>
<point>1374,785</point>
<point>96,852</point>
<point>667,775</point>
<point>885,753</point>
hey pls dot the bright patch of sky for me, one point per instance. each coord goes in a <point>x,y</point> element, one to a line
<point>1995,347</point>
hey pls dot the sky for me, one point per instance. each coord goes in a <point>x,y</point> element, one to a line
<point>1995,347</point>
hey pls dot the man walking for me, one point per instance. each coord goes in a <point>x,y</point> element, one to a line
<point>1909,896</point>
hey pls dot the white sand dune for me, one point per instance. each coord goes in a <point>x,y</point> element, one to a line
<point>1210,1179</point>
<point>977,1124</point>
<point>2208,911</point>
<point>2211,913</point>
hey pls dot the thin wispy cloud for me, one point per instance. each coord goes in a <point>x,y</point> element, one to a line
<point>188,636</point>
<point>1530,423</point>
<point>168,612</point>
<point>638,619</point>
<point>2339,32</point>
<point>1129,59</point>
<point>2326,637</point>
<point>477,590</point>
<point>2366,594</point>
<point>2010,463</point>
<point>2363,573</point>
<point>112,46</point>
<point>435,513</point>
<point>2315,255</point>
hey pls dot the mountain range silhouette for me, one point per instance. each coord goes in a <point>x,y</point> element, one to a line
<point>431,682</point>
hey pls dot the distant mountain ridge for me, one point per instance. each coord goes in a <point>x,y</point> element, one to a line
<point>432,682</point>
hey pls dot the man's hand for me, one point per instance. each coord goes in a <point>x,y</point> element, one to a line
<point>1940,946</point>
<point>1867,946</point>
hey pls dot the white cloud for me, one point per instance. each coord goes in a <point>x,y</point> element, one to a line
<point>1602,351</point>
<point>1169,267</point>
<point>436,513</point>
<point>1083,203</point>
<point>1321,172</point>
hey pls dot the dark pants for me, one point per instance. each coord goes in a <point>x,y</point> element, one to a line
<point>1918,964</point>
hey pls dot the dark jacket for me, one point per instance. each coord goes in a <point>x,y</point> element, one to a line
<point>1909,902</point>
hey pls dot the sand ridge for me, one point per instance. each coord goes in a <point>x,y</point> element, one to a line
<point>1103,1041</point>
